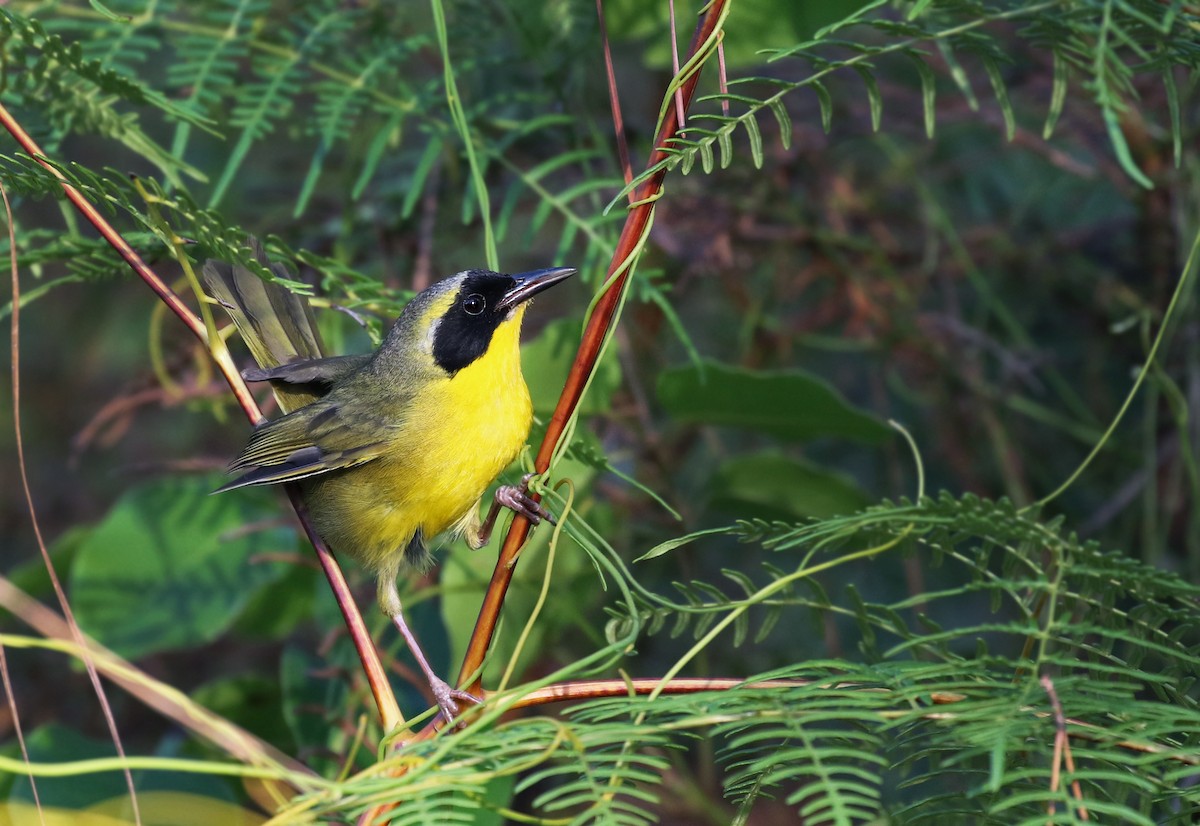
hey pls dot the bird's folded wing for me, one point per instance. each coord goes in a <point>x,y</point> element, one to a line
<point>315,439</point>
<point>321,373</point>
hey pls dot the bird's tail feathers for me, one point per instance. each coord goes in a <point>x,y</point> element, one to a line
<point>277,325</point>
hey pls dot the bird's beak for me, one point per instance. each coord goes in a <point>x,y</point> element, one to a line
<point>531,283</point>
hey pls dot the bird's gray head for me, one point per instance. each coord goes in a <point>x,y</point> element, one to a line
<point>454,320</point>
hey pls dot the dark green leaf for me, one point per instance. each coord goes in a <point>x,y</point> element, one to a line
<point>790,404</point>
<point>771,486</point>
<point>170,566</point>
<point>313,696</point>
<point>254,702</point>
<point>54,743</point>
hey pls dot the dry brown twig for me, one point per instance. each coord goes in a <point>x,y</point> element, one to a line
<point>1062,751</point>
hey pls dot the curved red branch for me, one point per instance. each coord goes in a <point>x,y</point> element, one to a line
<point>598,325</point>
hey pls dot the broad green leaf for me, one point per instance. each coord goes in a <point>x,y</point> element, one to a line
<point>498,797</point>
<point>465,573</point>
<point>171,566</point>
<point>31,577</point>
<point>106,791</point>
<point>275,611</point>
<point>772,486</point>
<point>753,26</point>
<point>790,404</point>
<point>161,808</point>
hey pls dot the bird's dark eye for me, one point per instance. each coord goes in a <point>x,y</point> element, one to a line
<point>474,304</point>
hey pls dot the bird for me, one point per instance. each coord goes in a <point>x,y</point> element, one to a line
<point>392,448</point>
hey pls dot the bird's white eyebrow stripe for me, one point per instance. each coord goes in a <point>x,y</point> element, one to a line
<point>430,336</point>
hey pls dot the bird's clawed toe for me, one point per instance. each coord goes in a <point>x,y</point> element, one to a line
<point>446,698</point>
<point>517,499</point>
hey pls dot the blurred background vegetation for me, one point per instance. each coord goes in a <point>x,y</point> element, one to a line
<point>973,228</point>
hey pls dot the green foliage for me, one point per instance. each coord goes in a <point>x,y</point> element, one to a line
<point>961,708</point>
<point>911,654</point>
<point>790,405</point>
<point>546,359</point>
<point>771,486</point>
<point>1104,45</point>
<point>171,567</point>
<point>59,743</point>
<point>77,94</point>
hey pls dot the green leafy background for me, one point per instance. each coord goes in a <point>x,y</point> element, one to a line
<point>972,219</point>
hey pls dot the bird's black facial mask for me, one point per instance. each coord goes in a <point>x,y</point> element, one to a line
<point>484,301</point>
<point>465,331</point>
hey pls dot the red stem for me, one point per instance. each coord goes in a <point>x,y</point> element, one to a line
<point>585,359</point>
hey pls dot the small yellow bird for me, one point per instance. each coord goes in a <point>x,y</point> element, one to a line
<point>392,448</point>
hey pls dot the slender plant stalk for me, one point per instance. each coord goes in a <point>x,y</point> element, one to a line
<point>601,319</point>
<point>653,686</point>
<point>59,592</point>
<point>385,700</point>
<point>165,699</point>
<point>614,100</point>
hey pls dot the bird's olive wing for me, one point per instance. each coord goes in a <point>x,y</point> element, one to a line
<point>319,375</point>
<point>321,437</point>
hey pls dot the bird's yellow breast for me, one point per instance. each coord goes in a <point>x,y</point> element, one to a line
<point>458,435</point>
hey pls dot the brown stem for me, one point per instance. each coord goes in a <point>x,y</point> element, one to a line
<point>596,689</point>
<point>585,359</point>
<point>1062,749</point>
<point>389,710</point>
<point>1066,726</point>
<point>614,99</point>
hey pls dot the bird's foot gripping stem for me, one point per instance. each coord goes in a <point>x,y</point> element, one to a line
<point>517,499</point>
<point>443,694</point>
<point>448,698</point>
